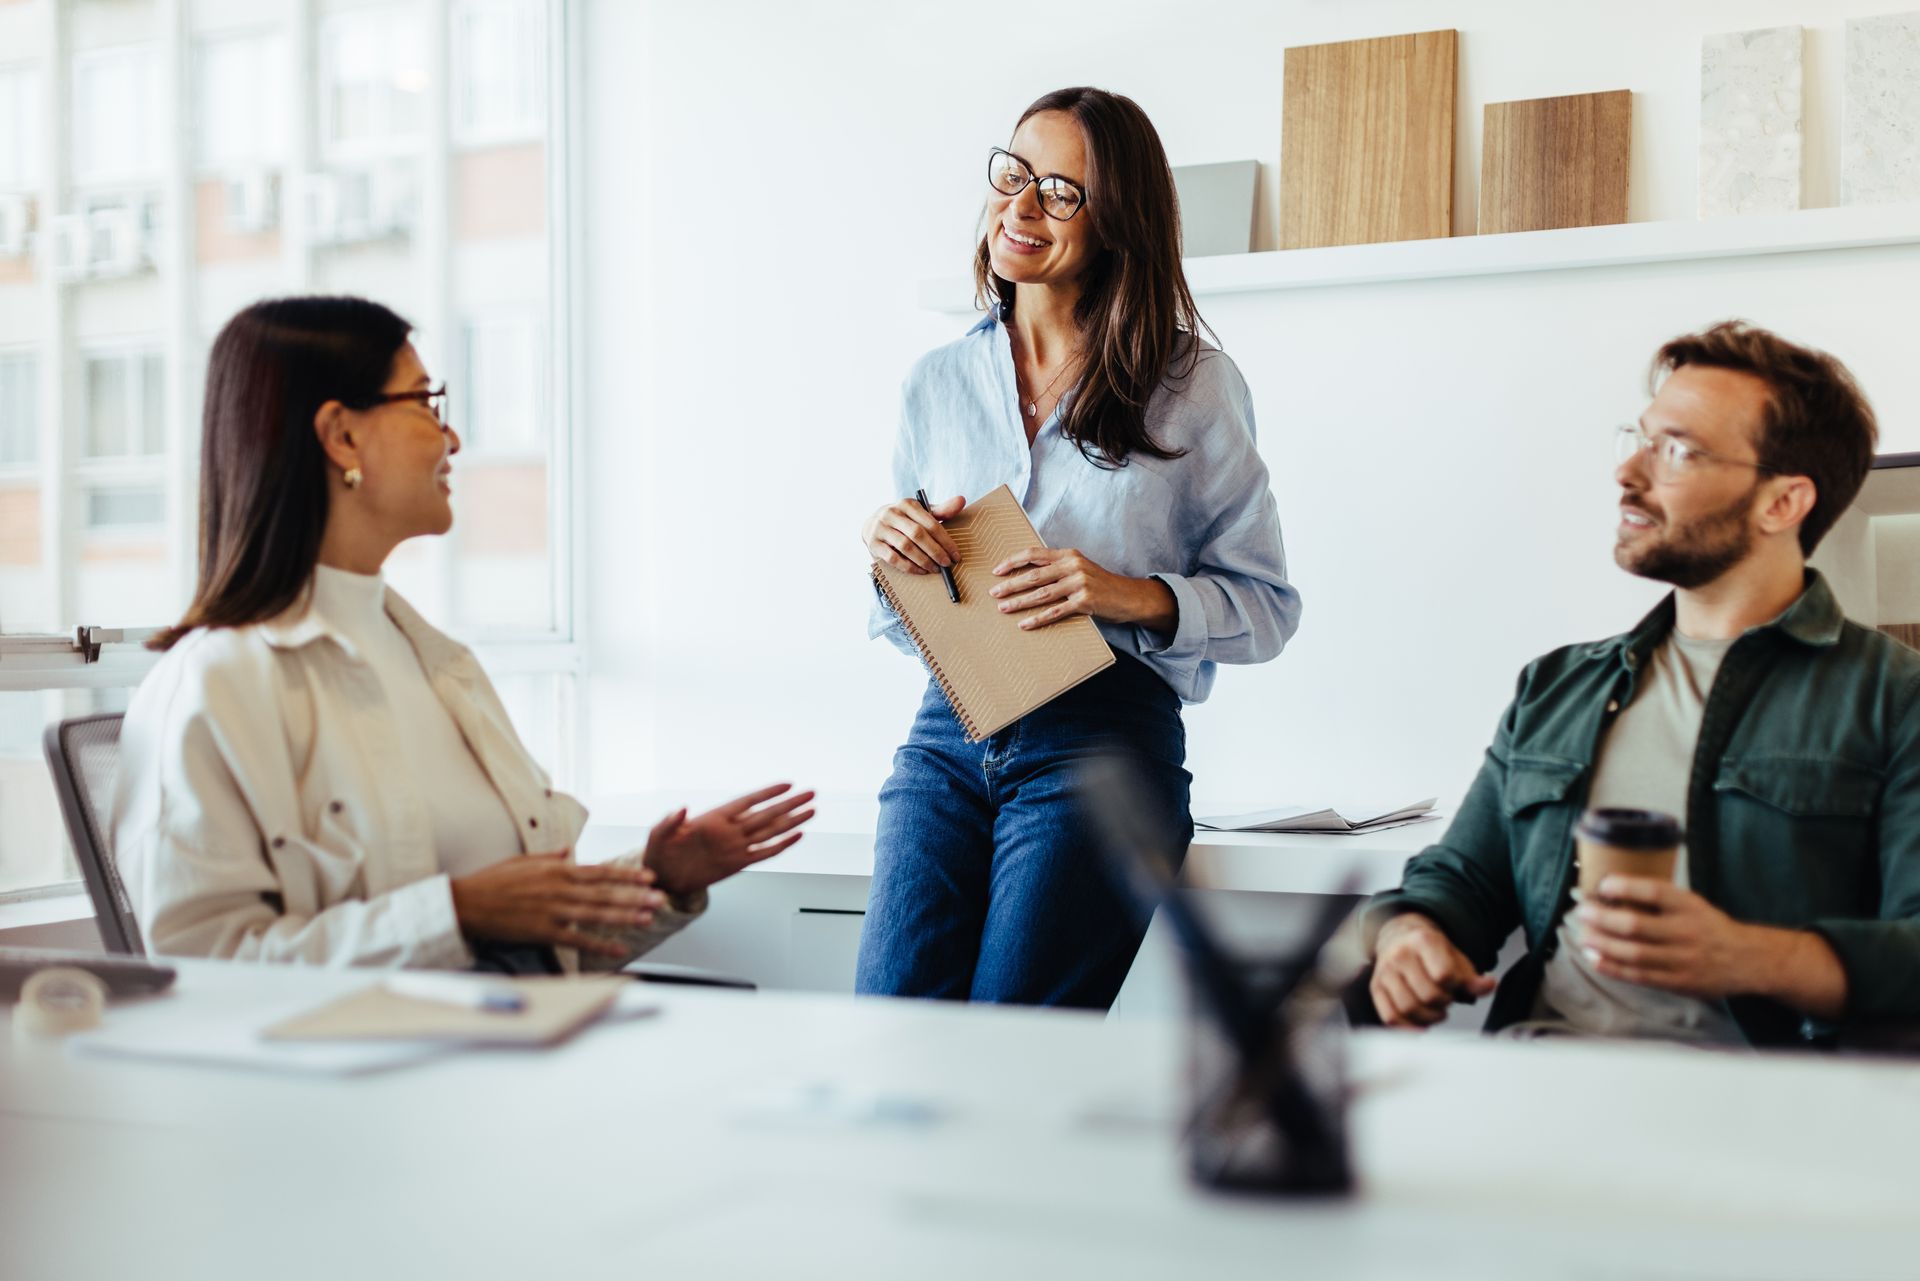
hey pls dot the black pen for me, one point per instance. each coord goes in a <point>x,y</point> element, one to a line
<point>946,574</point>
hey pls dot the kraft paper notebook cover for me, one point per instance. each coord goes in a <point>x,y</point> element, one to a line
<point>992,672</point>
<point>556,1008</point>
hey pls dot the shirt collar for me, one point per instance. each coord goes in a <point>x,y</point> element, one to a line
<point>304,623</point>
<point>1813,619</point>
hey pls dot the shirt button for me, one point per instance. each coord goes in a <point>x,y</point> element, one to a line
<point>1613,704</point>
<point>337,806</point>
<point>279,842</point>
<point>549,793</point>
<point>533,822</point>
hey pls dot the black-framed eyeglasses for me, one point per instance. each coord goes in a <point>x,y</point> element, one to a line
<point>1060,198</point>
<point>434,398</point>
<point>1671,457</point>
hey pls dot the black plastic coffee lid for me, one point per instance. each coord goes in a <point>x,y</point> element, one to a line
<point>1631,829</point>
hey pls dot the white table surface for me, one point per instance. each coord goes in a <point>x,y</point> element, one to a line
<point>635,1150</point>
<point>839,842</point>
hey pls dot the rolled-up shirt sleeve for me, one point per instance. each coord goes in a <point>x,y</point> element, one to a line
<point>1234,602</point>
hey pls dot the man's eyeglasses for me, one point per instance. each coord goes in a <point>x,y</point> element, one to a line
<point>434,398</point>
<point>1669,456</point>
<point>1008,174</point>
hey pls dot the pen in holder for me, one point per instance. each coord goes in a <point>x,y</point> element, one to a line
<point>1266,1067</point>
<point>1274,1121</point>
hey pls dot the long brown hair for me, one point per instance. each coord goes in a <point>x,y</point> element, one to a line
<point>263,476</point>
<point>1136,316</point>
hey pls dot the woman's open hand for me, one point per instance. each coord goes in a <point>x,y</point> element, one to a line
<point>1047,584</point>
<point>908,536</point>
<point>688,855</point>
<point>547,898</point>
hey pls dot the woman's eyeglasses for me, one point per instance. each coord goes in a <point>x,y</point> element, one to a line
<point>1060,198</point>
<point>434,398</point>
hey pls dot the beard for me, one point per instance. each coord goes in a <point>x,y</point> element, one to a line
<point>1694,554</point>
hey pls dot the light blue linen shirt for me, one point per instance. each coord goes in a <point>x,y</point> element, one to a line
<point>1205,524</point>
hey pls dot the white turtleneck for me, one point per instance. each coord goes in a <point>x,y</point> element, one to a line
<point>472,827</point>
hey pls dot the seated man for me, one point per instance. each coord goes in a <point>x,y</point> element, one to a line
<point>1785,738</point>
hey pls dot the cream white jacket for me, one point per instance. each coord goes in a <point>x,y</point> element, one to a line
<point>262,811</point>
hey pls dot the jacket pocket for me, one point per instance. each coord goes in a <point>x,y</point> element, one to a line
<point>1533,781</point>
<point>1804,787</point>
<point>1799,838</point>
<point>1541,797</point>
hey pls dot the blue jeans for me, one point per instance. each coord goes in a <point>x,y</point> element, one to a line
<point>988,882</point>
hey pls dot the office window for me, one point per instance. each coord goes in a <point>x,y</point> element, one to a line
<point>112,543</point>
<point>125,414</point>
<point>499,71</point>
<point>19,128</point>
<point>123,509</point>
<point>19,410</point>
<point>240,102</point>
<point>504,401</point>
<point>374,81</point>
<point>116,115</point>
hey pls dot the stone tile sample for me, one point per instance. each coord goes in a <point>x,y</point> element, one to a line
<point>1750,99</point>
<point>1880,125</point>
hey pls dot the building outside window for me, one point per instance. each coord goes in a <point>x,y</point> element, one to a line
<point>499,79</point>
<point>19,412</point>
<point>19,128</point>
<point>434,195</point>
<point>374,80</point>
<point>115,127</point>
<point>240,101</point>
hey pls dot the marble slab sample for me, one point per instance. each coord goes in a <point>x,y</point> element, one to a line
<point>1880,126</point>
<point>1750,113</point>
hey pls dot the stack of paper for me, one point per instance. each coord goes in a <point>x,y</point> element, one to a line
<point>1338,819</point>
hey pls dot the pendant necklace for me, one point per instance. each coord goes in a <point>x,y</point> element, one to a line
<point>1033,406</point>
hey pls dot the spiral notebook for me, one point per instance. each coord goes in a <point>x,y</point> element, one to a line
<point>991,671</point>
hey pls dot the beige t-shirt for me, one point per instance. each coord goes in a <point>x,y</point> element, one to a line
<point>1644,763</point>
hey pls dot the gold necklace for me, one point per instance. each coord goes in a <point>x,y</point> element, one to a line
<point>1033,406</point>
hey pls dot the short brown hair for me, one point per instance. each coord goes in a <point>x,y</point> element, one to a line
<point>1817,423</point>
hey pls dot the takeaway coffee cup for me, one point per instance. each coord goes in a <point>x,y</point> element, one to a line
<point>1625,842</point>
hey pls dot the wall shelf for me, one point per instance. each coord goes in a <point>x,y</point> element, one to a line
<point>1569,249</point>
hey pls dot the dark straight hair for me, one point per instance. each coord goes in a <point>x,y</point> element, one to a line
<point>263,476</point>
<point>1136,316</point>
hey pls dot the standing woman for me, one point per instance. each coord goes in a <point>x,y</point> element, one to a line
<point>313,774</point>
<point>1129,442</point>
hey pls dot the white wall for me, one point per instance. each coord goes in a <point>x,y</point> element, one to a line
<point>1440,450</point>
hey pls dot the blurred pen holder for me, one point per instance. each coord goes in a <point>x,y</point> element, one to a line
<point>1275,1122</point>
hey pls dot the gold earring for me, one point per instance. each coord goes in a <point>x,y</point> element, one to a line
<point>353,478</point>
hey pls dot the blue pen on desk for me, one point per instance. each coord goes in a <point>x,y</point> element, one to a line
<point>946,574</point>
<point>487,996</point>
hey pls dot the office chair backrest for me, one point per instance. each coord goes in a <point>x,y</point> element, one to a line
<point>84,755</point>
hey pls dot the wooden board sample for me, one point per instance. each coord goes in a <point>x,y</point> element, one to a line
<point>1555,162</point>
<point>1366,140</point>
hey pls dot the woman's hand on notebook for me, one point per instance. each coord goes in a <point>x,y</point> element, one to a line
<point>1047,584</point>
<point>548,898</point>
<point>693,853</point>
<point>908,536</point>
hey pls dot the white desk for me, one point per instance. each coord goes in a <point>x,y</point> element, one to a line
<point>631,1152</point>
<point>839,842</point>
<point>794,923</point>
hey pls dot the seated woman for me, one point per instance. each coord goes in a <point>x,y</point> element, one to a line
<point>313,773</point>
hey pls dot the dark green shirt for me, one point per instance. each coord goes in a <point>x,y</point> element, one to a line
<point>1803,806</point>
